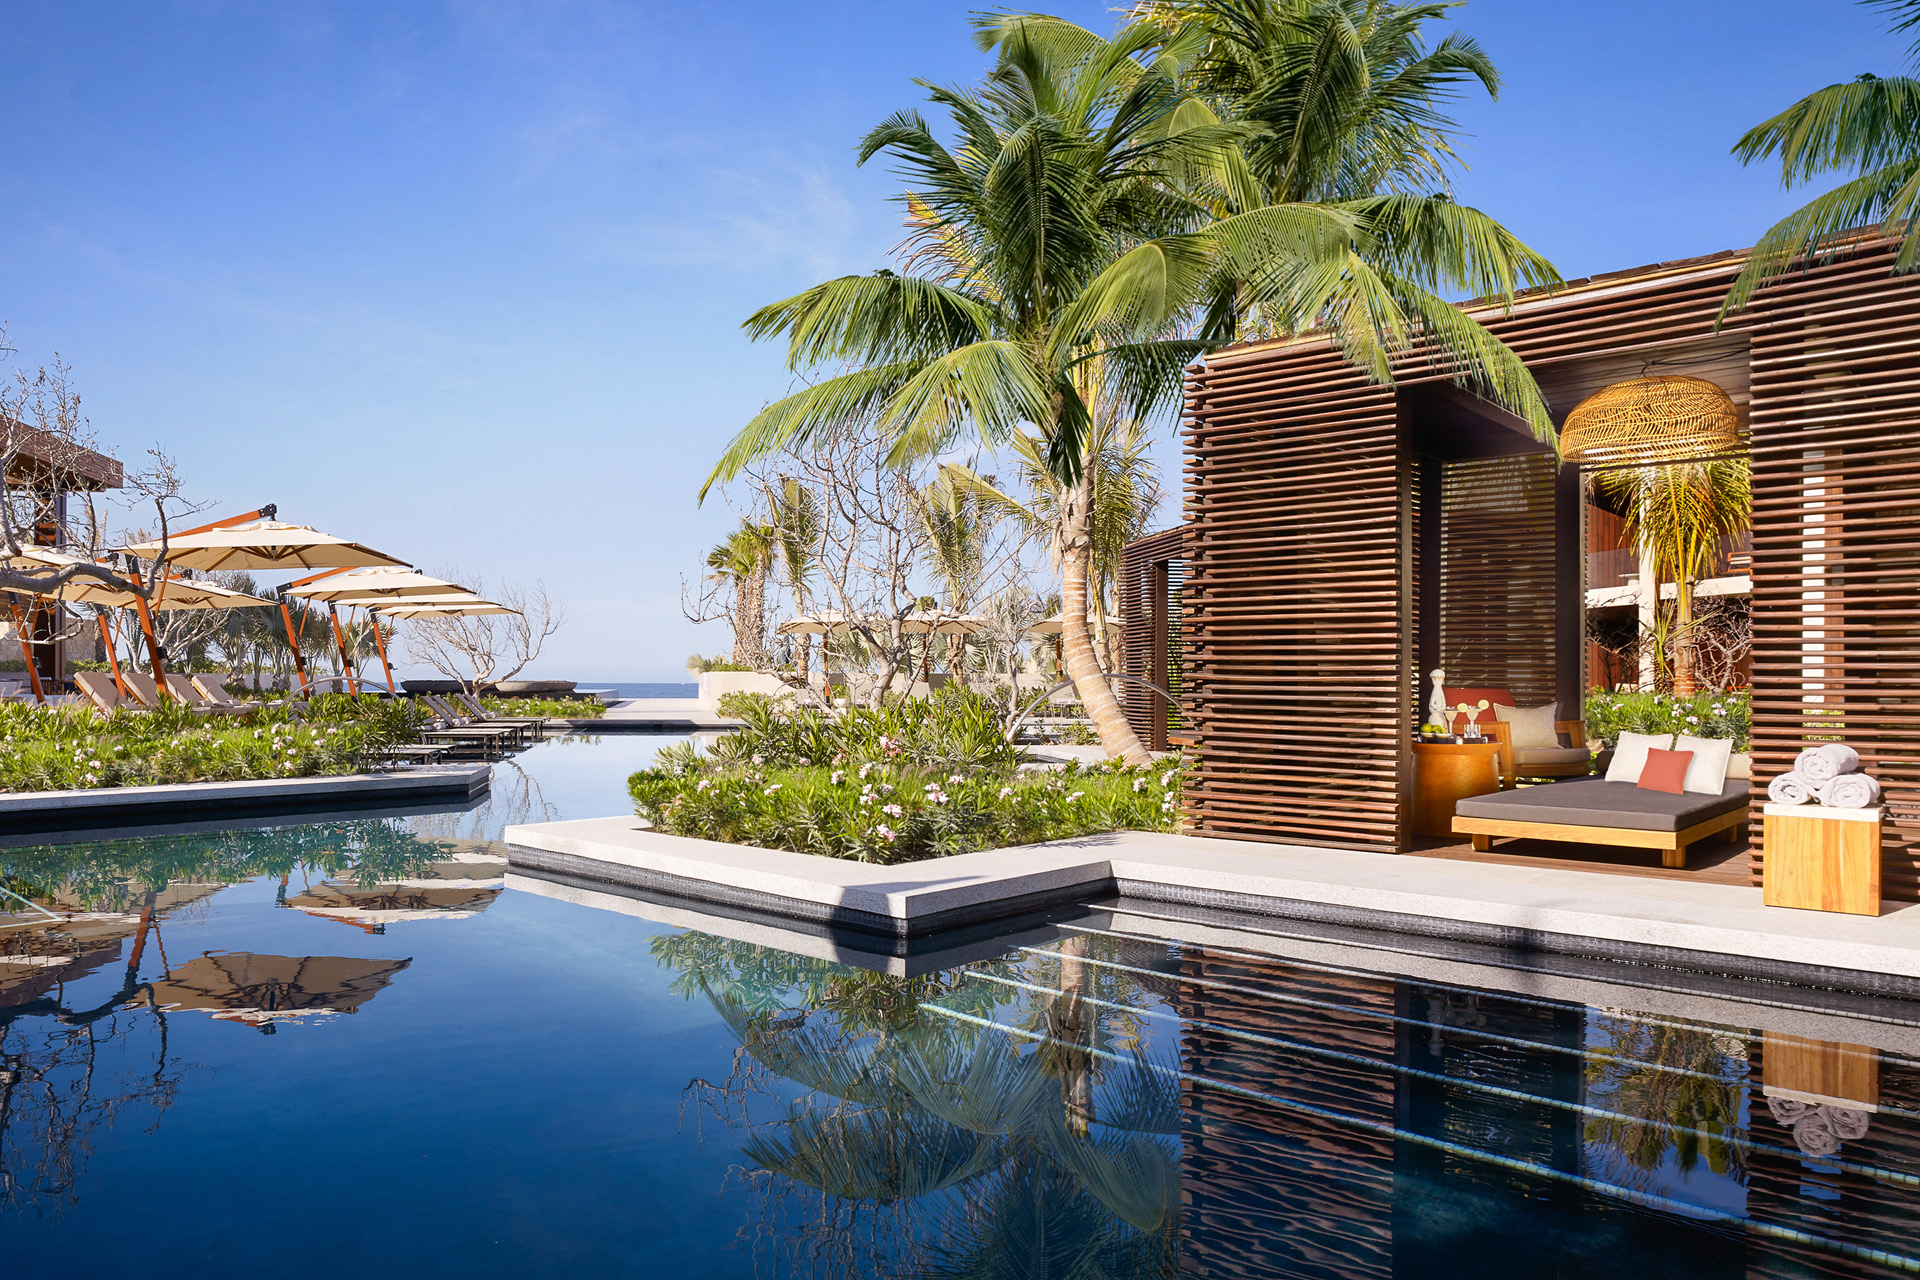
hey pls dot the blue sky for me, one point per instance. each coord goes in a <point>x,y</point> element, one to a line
<point>464,280</point>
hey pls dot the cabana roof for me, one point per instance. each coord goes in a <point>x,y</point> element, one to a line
<point>31,456</point>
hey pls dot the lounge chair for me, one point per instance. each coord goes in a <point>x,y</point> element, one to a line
<point>185,689</point>
<point>538,724</point>
<point>454,727</point>
<point>214,690</point>
<point>99,689</point>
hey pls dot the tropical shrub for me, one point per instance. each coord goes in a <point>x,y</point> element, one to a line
<point>924,778</point>
<point>560,708</point>
<point>61,749</point>
<point>1703,715</point>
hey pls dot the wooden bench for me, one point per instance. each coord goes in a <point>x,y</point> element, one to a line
<point>1595,811</point>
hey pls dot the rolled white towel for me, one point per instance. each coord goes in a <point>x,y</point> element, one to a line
<point>1826,762</point>
<point>1790,788</point>
<point>1850,791</point>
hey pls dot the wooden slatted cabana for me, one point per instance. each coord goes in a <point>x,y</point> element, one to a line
<point>1343,537</point>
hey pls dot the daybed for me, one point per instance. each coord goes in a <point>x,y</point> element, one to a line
<point>1596,811</point>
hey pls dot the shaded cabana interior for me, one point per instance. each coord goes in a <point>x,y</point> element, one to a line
<point>1343,538</point>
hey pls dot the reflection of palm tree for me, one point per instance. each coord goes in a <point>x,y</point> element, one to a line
<point>1051,1162</point>
<point>1682,1076</point>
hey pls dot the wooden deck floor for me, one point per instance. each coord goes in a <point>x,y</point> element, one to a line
<point>1712,861</point>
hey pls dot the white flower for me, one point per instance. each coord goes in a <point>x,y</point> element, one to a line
<point>866,768</point>
<point>759,759</point>
<point>770,790</point>
<point>886,788</point>
<point>885,832</point>
<point>954,777</point>
<point>931,787</point>
<point>837,777</point>
<point>892,810</point>
<point>805,761</point>
<point>867,798</point>
<point>939,797</point>
<point>703,784</point>
<point>1005,792</point>
<point>1076,795</point>
<point>1139,784</point>
<point>1166,779</point>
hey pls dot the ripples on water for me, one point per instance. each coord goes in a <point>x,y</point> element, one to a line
<point>363,1047</point>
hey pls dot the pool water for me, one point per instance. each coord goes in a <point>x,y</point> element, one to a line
<point>359,1047</point>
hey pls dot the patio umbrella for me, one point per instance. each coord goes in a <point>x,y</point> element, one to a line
<point>423,608</point>
<point>372,909</point>
<point>1057,623</point>
<point>239,986</point>
<point>170,593</point>
<point>270,544</point>
<point>370,586</point>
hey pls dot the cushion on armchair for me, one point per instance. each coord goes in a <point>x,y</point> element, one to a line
<point>1531,726</point>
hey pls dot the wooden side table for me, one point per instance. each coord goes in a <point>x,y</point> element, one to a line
<point>1447,772</point>
<point>1822,859</point>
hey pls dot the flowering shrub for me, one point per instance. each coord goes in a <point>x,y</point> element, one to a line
<point>62,749</point>
<point>559,708</point>
<point>899,813</point>
<point>922,779</point>
<point>1704,715</point>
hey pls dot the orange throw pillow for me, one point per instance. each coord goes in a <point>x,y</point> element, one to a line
<point>1666,771</point>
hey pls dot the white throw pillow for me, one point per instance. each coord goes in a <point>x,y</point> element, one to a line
<point>1740,767</point>
<point>1532,726</point>
<point>1630,755</point>
<point>1707,771</point>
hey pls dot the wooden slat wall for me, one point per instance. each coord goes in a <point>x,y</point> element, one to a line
<point>1151,571</point>
<point>1497,563</point>
<point>1836,545</point>
<point>1297,615</point>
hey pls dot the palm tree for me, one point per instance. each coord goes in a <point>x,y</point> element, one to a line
<point>1126,493</point>
<point>1679,514</point>
<point>1057,255</point>
<point>795,528</point>
<point>741,562</point>
<point>1869,127</point>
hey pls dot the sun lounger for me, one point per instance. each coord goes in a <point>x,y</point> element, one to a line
<point>538,724</point>
<point>99,689</point>
<point>1595,811</point>
<point>214,690</point>
<point>455,728</point>
<point>454,718</point>
<point>183,688</point>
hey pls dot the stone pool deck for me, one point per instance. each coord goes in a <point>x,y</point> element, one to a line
<point>1707,927</point>
<point>653,715</point>
<point>30,812</point>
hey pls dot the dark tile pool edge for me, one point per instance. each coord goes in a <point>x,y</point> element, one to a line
<point>52,813</point>
<point>1512,939</point>
<point>834,916</point>
<point>962,945</point>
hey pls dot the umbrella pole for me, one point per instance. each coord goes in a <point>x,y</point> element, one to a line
<point>153,648</point>
<point>293,642</point>
<point>26,650</point>
<point>340,642</point>
<point>113,659</point>
<point>381,644</point>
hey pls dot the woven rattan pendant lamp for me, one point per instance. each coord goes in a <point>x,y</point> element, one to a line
<point>1649,420</point>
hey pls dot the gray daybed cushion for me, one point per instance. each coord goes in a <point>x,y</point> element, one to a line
<point>1595,802</point>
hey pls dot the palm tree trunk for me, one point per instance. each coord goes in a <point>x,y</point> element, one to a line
<point>1683,683</point>
<point>1117,737</point>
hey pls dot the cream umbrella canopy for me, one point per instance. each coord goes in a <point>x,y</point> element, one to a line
<point>918,623</point>
<point>1057,623</point>
<point>439,607</point>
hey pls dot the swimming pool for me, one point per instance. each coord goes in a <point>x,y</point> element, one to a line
<point>358,1048</point>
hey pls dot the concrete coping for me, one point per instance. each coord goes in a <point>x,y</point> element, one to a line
<point>1510,905</point>
<point>23,809</point>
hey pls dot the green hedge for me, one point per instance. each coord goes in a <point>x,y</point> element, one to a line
<point>1704,715</point>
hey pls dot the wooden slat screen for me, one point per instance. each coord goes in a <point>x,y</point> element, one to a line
<point>1151,569</point>
<point>1298,654</point>
<point>1836,545</point>
<point>1497,575</point>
